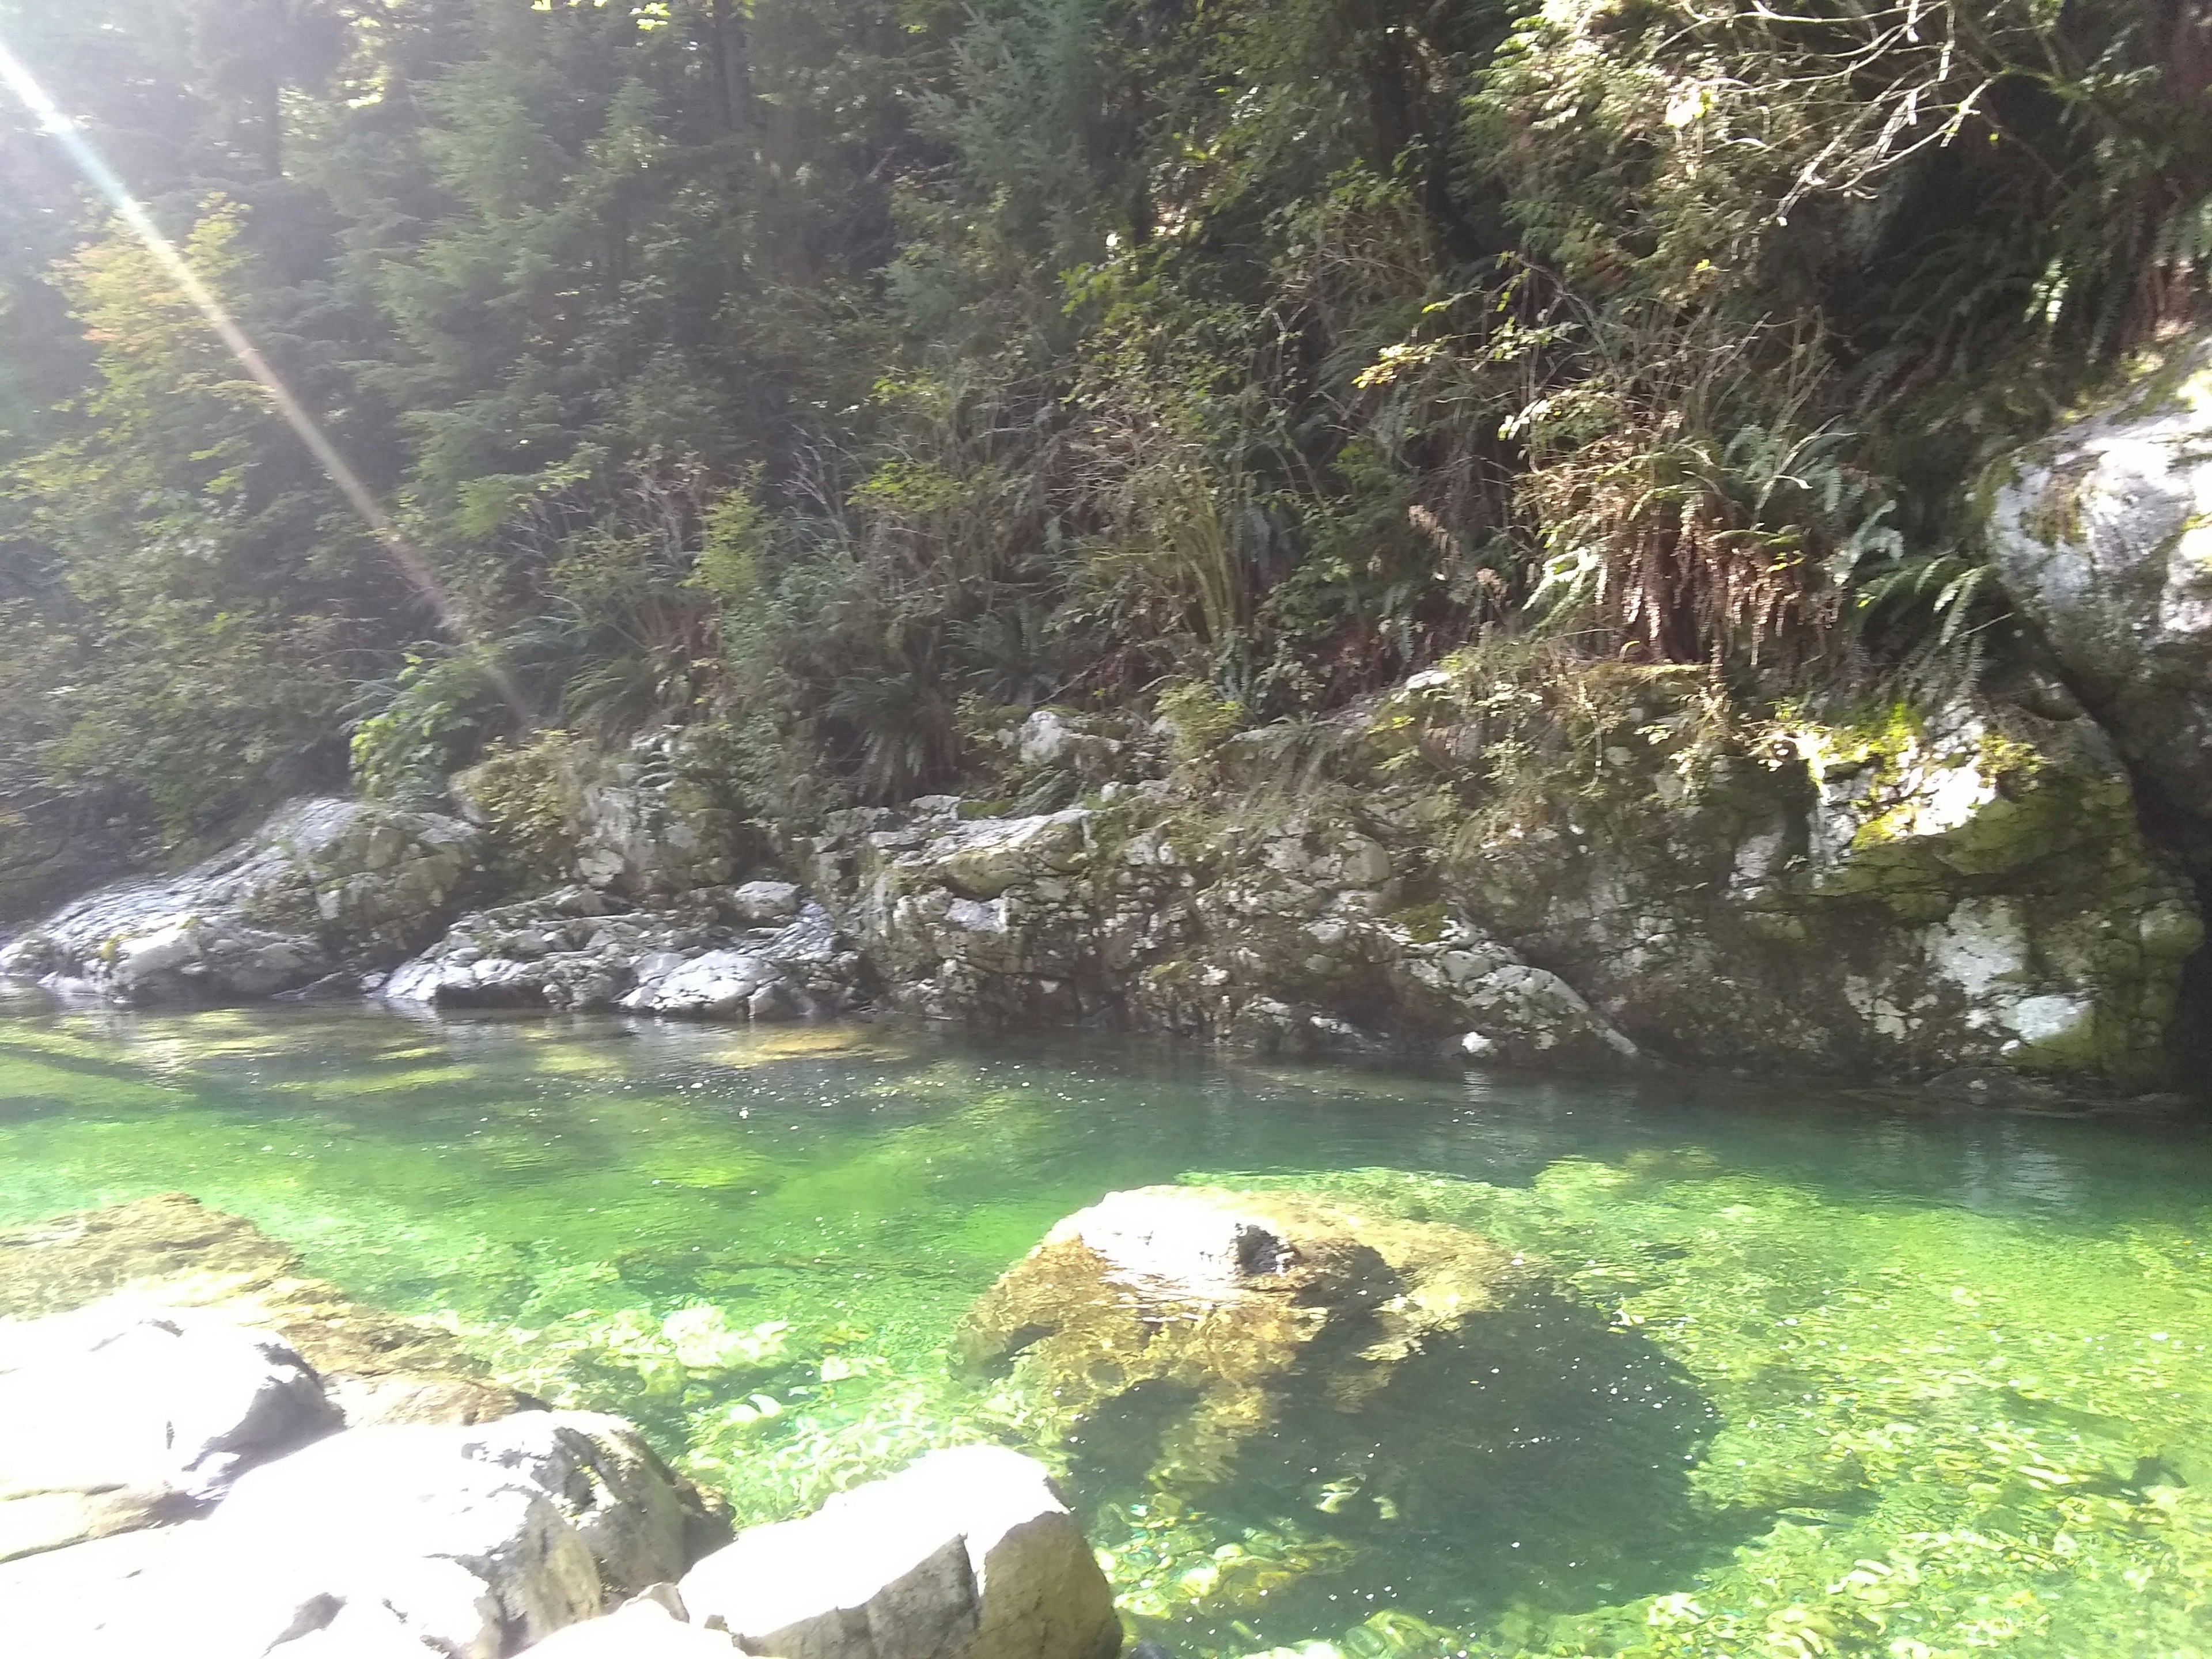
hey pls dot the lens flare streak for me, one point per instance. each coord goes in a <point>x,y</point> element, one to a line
<point>411,565</point>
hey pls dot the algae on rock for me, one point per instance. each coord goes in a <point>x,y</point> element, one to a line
<point>1221,1303</point>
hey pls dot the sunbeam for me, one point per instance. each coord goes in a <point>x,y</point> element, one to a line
<point>412,567</point>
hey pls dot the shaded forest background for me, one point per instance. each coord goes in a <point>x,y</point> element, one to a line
<point>849,374</point>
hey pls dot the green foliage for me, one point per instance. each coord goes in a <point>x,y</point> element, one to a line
<point>815,368</point>
<point>522,795</point>
<point>1199,717</point>
<point>425,720</point>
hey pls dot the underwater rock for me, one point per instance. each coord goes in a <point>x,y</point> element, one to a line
<point>1208,1309</point>
<point>117,1419</point>
<point>968,1554</point>
<point>467,1539</point>
<point>325,884</point>
<point>2100,534</point>
<point>170,1252</point>
<point>763,951</point>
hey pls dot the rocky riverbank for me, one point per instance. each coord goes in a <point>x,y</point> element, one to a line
<point>1511,857</point>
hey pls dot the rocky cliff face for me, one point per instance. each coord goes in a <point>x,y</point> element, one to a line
<point>2102,534</point>
<point>1906,895</point>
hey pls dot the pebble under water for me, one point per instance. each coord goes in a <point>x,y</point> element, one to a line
<point>1809,1372</point>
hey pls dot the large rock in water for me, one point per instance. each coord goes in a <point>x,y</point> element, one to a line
<point>325,885</point>
<point>2102,534</point>
<point>970,1554</point>
<point>1225,1303</point>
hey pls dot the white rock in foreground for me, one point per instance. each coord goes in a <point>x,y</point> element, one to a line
<point>112,1421</point>
<point>642,1629</point>
<point>967,1555</point>
<point>467,1541</point>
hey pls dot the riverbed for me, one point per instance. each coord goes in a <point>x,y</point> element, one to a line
<point>1813,1371</point>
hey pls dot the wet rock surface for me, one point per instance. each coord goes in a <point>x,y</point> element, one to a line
<point>762,950</point>
<point>325,886</point>
<point>1208,1310</point>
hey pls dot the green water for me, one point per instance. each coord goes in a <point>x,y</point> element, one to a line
<point>1818,1373</point>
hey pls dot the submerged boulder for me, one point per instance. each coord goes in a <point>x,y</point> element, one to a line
<point>2102,535</point>
<point>326,885</point>
<point>968,1554</point>
<point>1207,1310</point>
<point>170,1255</point>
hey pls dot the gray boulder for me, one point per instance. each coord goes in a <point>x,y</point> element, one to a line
<point>465,1541</point>
<point>968,1554</point>
<point>325,884</point>
<point>116,1421</point>
<point>2102,534</point>
<point>762,952</point>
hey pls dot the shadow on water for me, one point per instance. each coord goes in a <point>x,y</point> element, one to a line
<point>1537,1464</point>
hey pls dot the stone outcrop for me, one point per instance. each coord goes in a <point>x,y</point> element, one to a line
<point>1078,914</point>
<point>762,950</point>
<point>326,886</point>
<point>1903,892</point>
<point>968,1554</point>
<point>2102,535</point>
<point>649,822</point>
<point>1227,1304</point>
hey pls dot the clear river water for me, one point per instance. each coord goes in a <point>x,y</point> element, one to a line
<point>1817,1371</point>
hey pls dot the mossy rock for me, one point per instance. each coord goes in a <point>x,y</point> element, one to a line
<point>1219,1306</point>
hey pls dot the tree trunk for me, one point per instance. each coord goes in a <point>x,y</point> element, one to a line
<point>270,95</point>
<point>733,72</point>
